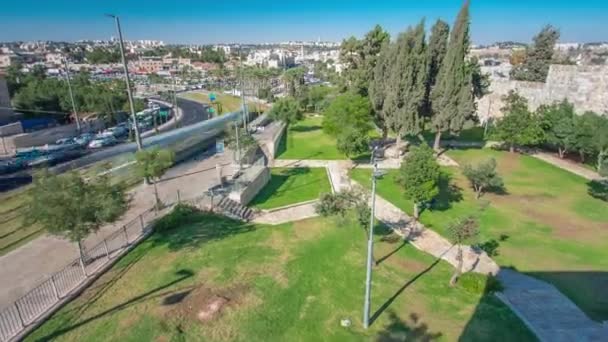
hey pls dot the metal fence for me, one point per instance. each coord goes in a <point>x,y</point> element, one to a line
<point>34,304</point>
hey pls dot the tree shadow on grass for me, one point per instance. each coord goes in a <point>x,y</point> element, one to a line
<point>205,227</point>
<point>305,128</point>
<point>182,275</point>
<point>598,189</point>
<point>448,193</point>
<point>386,304</point>
<point>401,330</point>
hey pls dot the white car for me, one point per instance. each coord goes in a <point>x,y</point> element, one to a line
<point>103,141</point>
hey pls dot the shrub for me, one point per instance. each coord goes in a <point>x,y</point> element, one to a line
<point>476,283</point>
<point>180,215</point>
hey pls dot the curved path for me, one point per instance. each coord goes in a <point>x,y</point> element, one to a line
<point>547,312</point>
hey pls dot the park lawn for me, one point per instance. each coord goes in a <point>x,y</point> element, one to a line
<point>305,139</point>
<point>292,282</point>
<point>546,224</point>
<point>292,185</point>
<point>14,230</point>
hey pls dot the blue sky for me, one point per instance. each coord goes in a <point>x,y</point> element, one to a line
<point>203,21</point>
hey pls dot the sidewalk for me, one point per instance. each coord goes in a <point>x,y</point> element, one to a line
<point>567,165</point>
<point>25,267</point>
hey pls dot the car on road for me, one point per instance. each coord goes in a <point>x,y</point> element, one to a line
<point>84,139</point>
<point>103,141</point>
<point>66,141</point>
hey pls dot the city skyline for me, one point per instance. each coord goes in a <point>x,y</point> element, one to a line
<point>262,21</point>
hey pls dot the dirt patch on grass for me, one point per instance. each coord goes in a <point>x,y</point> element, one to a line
<point>508,163</point>
<point>566,226</point>
<point>306,230</point>
<point>201,303</point>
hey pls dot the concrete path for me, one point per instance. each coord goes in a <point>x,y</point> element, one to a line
<point>567,165</point>
<point>27,266</point>
<point>294,213</point>
<point>546,311</point>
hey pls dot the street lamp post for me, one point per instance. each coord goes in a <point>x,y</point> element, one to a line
<point>127,81</point>
<point>370,246</point>
<point>67,73</point>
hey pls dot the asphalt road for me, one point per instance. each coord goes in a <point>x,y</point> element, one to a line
<point>193,112</point>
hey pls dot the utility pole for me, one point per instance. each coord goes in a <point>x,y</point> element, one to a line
<point>67,73</point>
<point>238,147</point>
<point>370,246</point>
<point>244,105</point>
<point>127,81</point>
<point>174,101</point>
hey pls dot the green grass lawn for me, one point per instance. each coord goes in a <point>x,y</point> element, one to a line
<point>306,140</point>
<point>293,282</point>
<point>14,231</point>
<point>292,185</point>
<point>546,224</point>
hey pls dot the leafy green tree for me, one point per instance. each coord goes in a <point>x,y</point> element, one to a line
<point>538,57</point>
<point>152,164</point>
<point>103,55</point>
<point>483,177</point>
<point>460,232</point>
<point>558,125</point>
<point>452,97</point>
<point>348,119</point>
<point>340,203</point>
<point>360,58</point>
<point>246,141</point>
<point>407,84</point>
<point>286,109</point>
<point>294,81</point>
<point>518,126</point>
<point>67,205</point>
<point>584,128</point>
<point>419,175</point>
<point>600,143</point>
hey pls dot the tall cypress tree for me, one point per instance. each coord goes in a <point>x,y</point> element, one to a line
<point>438,45</point>
<point>407,82</point>
<point>452,97</point>
<point>378,86</point>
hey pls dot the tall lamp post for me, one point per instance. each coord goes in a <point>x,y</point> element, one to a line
<point>67,73</point>
<point>370,246</point>
<point>127,81</point>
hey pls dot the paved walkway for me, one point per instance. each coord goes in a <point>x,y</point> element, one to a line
<point>27,266</point>
<point>567,165</point>
<point>295,213</point>
<point>546,311</point>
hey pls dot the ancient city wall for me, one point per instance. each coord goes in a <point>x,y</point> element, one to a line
<point>585,86</point>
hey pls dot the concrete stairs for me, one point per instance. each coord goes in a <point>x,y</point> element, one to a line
<point>235,210</point>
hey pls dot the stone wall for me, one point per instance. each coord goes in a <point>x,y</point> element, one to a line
<point>585,86</point>
<point>257,178</point>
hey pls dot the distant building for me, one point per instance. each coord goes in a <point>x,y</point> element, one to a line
<point>8,60</point>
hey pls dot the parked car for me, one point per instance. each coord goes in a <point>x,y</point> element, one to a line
<point>103,141</point>
<point>117,131</point>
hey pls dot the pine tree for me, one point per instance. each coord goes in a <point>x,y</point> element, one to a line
<point>538,57</point>
<point>452,97</point>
